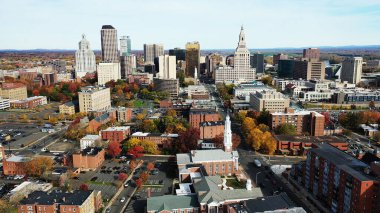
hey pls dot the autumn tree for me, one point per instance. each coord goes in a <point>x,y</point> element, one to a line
<point>24,117</point>
<point>83,187</point>
<point>122,176</point>
<point>171,112</point>
<point>248,125</point>
<point>188,140</point>
<point>114,149</point>
<point>235,141</point>
<point>269,144</point>
<point>136,151</point>
<point>38,166</point>
<point>7,207</point>
<point>53,120</point>
<point>286,129</point>
<point>150,166</point>
<point>327,117</point>
<point>144,176</point>
<point>139,182</point>
<point>132,164</point>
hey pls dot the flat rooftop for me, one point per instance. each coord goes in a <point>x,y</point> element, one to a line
<point>199,156</point>
<point>76,197</point>
<point>147,134</point>
<point>212,123</point>
<point>310,139</point>
<point>91,137</point>
<point>116,128</point>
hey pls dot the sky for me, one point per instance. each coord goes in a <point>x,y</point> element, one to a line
<point>59,24</point>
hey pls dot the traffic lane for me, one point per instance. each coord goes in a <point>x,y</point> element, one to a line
<point>127,193</point>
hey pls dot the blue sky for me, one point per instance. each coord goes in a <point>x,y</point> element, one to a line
<point>59,24</point>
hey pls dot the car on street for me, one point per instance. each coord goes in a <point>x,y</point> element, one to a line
<point>122,200</point>
<point>108,210</point>
<point>154,172</point>
<point>127,183</point>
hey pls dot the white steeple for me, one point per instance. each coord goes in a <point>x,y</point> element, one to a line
<point>227,134</point>
<point>196,76</point>
<point>241,43</point>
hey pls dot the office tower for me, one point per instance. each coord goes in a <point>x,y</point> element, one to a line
<point>152,51</point>
<point>309,69</point>
<point>94,99</point>
<point>285,68</point>
<point>109,44</point>
<point>127,65</point>
<point>192,58</point>
<point>241,70</point>
<point>179,53</point>
<point>125,46</point>
<point>257,61</point>
<point>213,61</point>
<point>107,72</point>
<point>312,53</point>
<point>352,70</point>
<point>167,67</point>
<point>278,57</point>
<point>84,59</point>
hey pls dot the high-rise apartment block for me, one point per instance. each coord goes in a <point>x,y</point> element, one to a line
<point>279,57</point>
<point>127,65</point>
<point>305,121</point>
<point>151,51</point>
<point>309,69</point>
<point>179,53</point>
<point>107,72</point>
<point>311,53</point>
<point>84,59</point>
<point>269,100</point>
<point>125,46</point>
<point>167,67</point>
<point>339,181</point>
<point>110,52</point>
<point>193,54</point>
<point>94,99</point>
<point>352,70</point>
<point>257,62</point>
<point>241,70</point>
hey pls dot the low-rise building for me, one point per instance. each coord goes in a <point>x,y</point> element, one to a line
<point>94,124</point>
<point>211,129</point>
<point>244,90</point>
<point>29,103</point>
<point>67,108</point>
<point>173,203</point>
<point>57,201</point>
<point>196,116</point>
<point>160,139</point>
<point>124,114</point>
<point>304,121</point>
<point>89,141</point>
<point>4,104</point>
<point>89,159</point>
<point>15,165</point>
<point>115,134</point>
<point>13,91</point>
<point>269,100</point>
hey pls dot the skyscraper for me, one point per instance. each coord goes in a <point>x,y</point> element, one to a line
<point>352,70</point>
<point>257,61</point>
<point>278,57</point>
<point>192,58</point>
<point>127,65</point>
<point>109,44</point>
<point>179,53</point>
<point>241,71</point>
<point>107,72</point>
<point>84,58</point>
<point>311,53</point>
<point>152,51</point>
<point>167,67</point>
<point>125,46</point>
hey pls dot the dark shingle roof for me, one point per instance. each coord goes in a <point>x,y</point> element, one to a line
<point>76,197</point>
<point>104,27</point>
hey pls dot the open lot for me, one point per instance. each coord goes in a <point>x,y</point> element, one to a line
<point>23,134</point>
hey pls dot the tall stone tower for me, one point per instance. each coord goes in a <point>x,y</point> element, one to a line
<point>227,134</point>
<point>84,59</point>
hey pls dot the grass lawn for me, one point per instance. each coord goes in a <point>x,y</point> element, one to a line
<point>138,103</point>
<point>234,183</point>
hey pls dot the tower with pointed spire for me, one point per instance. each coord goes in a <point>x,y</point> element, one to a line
<point>84,58</point>
<point>227,142</point>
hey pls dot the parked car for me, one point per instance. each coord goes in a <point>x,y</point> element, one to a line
<point>122,200</point>
<point>94,178</point>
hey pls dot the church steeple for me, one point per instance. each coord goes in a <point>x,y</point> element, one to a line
<point>242,38</point>
<point>227,134</point>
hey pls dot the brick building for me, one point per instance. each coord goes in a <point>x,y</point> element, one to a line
<point>78,201</point>
<point>15,165</point>
<point>115,134</point>
<point>304,121</point>
<point>158,138</point>
<point>13,91</point>
<point>95,123</point>
<point>29,103</point>
<point>89,159</point>
<point>211,129</point>
<point>196,116</point>
<point>123,114</point>
<point>339,181</point>
<point>50,78</point>
<point>299,145</point>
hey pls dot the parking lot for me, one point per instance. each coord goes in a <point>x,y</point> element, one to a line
<point>21,134</point>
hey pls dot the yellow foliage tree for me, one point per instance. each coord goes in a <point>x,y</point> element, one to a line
<point>256,138</point>
<point>172,113</point>
<point>61,117</point>
<point>53,120</point>
<point>269,143</point>
<point>140,116</point>
<point>248,125</point>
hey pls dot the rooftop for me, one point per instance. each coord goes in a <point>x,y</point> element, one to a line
<point>18,158</point>
<point>170,202</point>
<point>147,134</point>
<point>12,85</point>
<point>344,161</point>
<point>199,156</point>
<point>212,123</point>
<point>91,151</point>
<point>90,137</point>
<point>29,99</point>
<point>116,128</point>
<point>297,113</point>
<point>76,197</point>
<point>91,89</point>
<point>309,139</point>
<point>104,27</point>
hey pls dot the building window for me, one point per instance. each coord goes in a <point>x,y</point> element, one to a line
<point>74,209</point>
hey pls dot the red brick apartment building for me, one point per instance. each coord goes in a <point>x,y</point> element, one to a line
<point>304,121</point>
<point>196,116</point>
<point>339,181</point>
<point>115,134</point>
<point>298,145</point>
<point>57,201</point>
<point>160,139</point>
<point>29,103</point>
<point>15,165</point>
<point>89,158</point>
<point>211,129</point>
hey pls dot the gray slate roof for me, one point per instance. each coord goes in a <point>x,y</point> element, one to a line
<point>199,156</point>
<point>170,202</point>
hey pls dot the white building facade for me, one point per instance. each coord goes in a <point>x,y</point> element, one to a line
<point>108,72</point>
<point>352,70</point>
<point>84,59</point>
<point>167,67</point>
<point>242,70</point>
<point>94,99</point>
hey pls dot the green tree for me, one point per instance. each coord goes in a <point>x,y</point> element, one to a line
<point>286,129</point>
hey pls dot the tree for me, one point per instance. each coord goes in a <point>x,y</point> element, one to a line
<point>347,132</point>
<point>139,182</point>
<point>132,164</point>
<point>171,112</point>
<point>38,166</point>
<point>24,117</point>
<point>327,117</point>
<point>144,177</point>
<point>136,151</point>
<point>46,116</point>
<point>7,207</point>
<point>83,187</point>
<point>61,117</point>
<point>140,116</point>
<point>122,176</point>
<point>150,166</point>
<point>248,125</point>
<point>255,138</point>
<point>267,80</point>
<point>149,126</point>
<point>286,129</point>
<point>264,117</point>
<point>36,92</point>
<point>114,149</point>
<point>269,144</point>
<point>263,127</point>
<point>235,141</point>
<point>218,141</point>
<point>188,140</point>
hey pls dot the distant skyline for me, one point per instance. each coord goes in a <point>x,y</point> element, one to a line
<point>59,24</point>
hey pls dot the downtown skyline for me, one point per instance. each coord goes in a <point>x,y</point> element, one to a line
<point>273,24</point>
